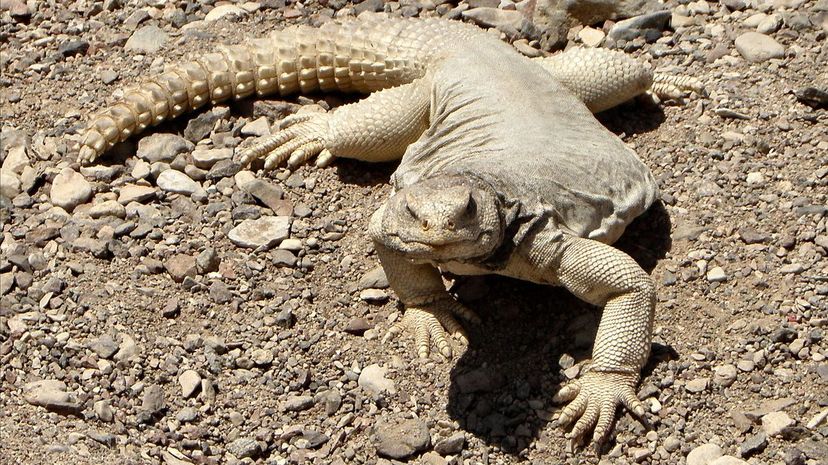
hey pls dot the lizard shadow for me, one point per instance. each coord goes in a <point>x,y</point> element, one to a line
<point>502,385</point>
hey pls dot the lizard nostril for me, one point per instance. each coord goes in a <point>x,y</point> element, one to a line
<point>450,225</point>
<point>425,225</point>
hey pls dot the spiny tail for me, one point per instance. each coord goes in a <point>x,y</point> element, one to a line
<point>364,55</point>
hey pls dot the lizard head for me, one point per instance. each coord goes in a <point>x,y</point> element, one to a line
<point>444,218</point>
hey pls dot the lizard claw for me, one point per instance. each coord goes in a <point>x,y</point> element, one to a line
<point>593,402</point>
<point>300,138</point>
<point>432,323</point>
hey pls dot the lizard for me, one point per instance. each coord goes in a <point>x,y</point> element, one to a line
<point>503,168</point>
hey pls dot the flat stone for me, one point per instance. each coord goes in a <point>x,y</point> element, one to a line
<point>373,279</point>
<point>754,444</point>
<point>148,39</point>
<point>70,189</point>
<point>509,22</point>
<point>704,454</point>
<point>108,208</point>
<point>297,403</point>
<point>716,275</point>
<point>647,26</point>
<point>269,194</point>
<point>757,47</point>
<point>205,159</point>
<point>189,381</point>
<point>178,183</point>
<point>401,439</point>
<point>697,385</point>
<point>135,193</point>
<point>162,147</point>
<point>220,12</point>
<point>372,379</point>
<point>451,445</point>
<point>258,127</point>
<point>264,232</point>
<point>51,394</point>
<point>776,422</point>
<point>373,295</point>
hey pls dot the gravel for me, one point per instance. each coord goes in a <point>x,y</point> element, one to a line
<point>168,306</point>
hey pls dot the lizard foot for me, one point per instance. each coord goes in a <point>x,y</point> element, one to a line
<point>671,87</point>
<point>594,399</point>
<point>300,138</point>
<point>429,322</point>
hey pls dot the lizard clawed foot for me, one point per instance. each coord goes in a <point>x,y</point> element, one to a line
<point>433,322</point>
<point>671,87</point>
<point>300,138</point>
<point>594,399</point>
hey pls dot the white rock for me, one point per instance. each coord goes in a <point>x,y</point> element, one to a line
<point>264,232</point>
<point>755,178</point>
<point>162,147</point>
<point>9,184</point>
<point>259,127</point>
<point>373,380</point>
<point>141,170</point>
<point>205,159</point>
<point>591,37</point>
<point>224,10</point>
<point>16,160</point>
<point>757,47</point>
<point>135,193</point>
<point>70,189</point>
<point>148,39</point>
<point>774,422</point>
<point>769,25</point>
<point>189,381</point>
<point>704,454</point>
<point>107,208</point>
<point>716,275</point>
<point>178,182</point>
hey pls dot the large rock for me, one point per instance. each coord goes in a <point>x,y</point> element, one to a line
<point>265,232</point>
<point>756,47</point>
<point>70,189</point>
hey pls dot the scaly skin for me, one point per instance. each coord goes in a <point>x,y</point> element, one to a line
<point>446,93</point>
<point>355,56</point>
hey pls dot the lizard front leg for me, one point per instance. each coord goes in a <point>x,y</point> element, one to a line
<point>429,309</point>
<point>603,276</point>
<point>378,128</point>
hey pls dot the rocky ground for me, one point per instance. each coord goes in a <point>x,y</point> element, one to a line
<point>167,306</point>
